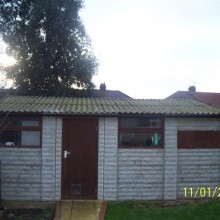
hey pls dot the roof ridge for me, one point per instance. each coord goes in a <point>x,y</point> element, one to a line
<point>68,97</point>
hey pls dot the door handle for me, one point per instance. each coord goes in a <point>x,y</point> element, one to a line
<point>66,153</point>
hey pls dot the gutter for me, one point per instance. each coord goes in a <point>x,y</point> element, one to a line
<point>180,115</point>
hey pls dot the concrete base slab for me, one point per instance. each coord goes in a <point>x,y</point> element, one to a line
<point>80,210</point>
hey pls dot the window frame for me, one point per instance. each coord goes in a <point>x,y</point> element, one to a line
<point>20,128</point>
<point>141,130</point>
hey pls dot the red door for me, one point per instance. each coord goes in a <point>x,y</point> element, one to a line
<point>79,158</point>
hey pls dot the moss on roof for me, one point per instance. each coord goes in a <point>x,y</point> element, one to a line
<point>100,106</point>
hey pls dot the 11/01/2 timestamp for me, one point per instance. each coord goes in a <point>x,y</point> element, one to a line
<point>201,192</point>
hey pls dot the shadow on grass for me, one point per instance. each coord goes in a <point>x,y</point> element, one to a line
<point>28,210</point>
<point>29,214</point>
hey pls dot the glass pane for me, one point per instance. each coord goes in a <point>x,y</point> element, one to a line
<point>21,121</point>
<point>34,122</point>
<point>10,121</point>
<point>25,138</point>
<point>140,122</point>
<point>140,139</point>
<point>10,138</point>
<point>31,138</point>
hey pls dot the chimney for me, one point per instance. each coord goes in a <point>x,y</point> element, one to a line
<point>192,89</point>
<point>102,87</point>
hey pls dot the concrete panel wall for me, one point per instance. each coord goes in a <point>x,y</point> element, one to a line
<point>163,173</point>
<point>198,124</point>
<point>34,174</point>
<point>198,168</point>
<point>21,173</point>
<point>51,158</point>
<point>140,174</point>
<point>107,159</point>
<point>170,159</point>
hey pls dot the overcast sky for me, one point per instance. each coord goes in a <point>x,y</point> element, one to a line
<point>152,48</point>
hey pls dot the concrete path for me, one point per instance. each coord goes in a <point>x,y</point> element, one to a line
<point>80,210</point>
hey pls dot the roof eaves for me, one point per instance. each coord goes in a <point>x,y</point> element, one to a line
<point>69,114</point>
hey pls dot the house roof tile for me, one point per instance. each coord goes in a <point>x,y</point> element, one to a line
<point>207,97</point>
<point>55,105</point>
<point>110,94</point>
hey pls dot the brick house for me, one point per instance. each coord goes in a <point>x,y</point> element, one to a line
<point>108,149</point>
<point>207,97</point>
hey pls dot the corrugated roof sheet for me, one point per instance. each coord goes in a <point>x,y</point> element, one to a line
<point>54,105</point>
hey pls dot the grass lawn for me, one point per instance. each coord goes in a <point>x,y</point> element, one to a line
<point>142,211</point>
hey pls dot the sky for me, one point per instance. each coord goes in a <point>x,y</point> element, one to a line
<point>153,48</point>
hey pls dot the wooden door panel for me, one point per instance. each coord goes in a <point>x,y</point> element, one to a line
<point>79,169</point>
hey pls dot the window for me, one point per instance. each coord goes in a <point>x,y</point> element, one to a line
<point>140,132</point>
<point>20,131</point>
